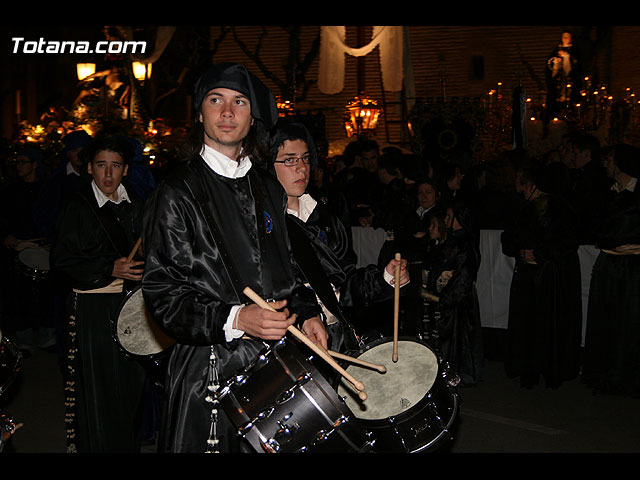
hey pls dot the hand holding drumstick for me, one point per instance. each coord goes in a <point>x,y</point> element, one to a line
<point>304,339</point>
<point>128,269</point>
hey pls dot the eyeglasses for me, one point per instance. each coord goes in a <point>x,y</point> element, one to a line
<point>293,161</point>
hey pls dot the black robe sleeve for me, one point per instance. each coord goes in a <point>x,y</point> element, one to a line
<point>186,285</point>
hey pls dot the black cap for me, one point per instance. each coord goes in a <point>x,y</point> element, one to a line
<point>236,77</point>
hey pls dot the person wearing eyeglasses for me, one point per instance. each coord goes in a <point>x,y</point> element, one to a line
<point>294,157</point>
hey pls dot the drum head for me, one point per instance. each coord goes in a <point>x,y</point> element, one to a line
<point>404,384</point>
<point>35,258</point>
<point>136,332</point>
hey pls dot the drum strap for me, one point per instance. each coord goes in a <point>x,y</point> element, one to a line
<point>110,224</point>
<point>309,263</point>
<point>194,185</point>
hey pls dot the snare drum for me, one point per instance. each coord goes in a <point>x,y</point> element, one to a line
<point>136,332</point>
<point>411,408</point>
<point>10,360</point>
<point>281,404</point>
<point>34,263</point>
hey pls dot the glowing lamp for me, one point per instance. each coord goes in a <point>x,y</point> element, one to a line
<point>284,107</point>
<point>84,70</point>
<point>362,115</point>
<point>142,71</point>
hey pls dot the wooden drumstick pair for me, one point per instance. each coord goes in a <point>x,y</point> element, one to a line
<point>318,349</point>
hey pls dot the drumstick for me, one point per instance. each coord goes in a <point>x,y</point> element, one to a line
<point>396,310</point>
<point>375,366</point>
<point>316,348</point>
<point>134,249</point>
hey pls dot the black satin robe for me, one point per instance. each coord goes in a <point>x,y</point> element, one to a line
<point>612,340</point>
<point>104,387</point>
<point>333,246</point>
<point>189,293</point>
<point>545,306</point>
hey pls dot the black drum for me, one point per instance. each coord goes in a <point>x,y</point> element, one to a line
<point>33,263</point>
<point>10,360</point>
<point>412,407</point>
<point>281,404</point>
<point>7,427</point>
<point>135,331</point>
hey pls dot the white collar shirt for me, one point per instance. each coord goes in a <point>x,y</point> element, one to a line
<point>223,165</point>
<point>101,198</point>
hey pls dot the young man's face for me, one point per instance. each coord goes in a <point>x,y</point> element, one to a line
<point>108,169</point>
<point>426,195</point>
<point>294,179</point>
<point>226,117</point>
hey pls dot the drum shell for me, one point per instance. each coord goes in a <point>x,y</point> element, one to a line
<point>10,361</point>
<point>314,406</point>
<point>424,426</point>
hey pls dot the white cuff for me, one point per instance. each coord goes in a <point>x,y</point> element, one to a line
<point>231,333</point>
<point>388,277</point>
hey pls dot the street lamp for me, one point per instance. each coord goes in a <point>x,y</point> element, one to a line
<point>84,70</point>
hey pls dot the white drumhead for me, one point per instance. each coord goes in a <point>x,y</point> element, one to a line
<point>404,384</point>
<point>37,258</point>
<point>137,332</point>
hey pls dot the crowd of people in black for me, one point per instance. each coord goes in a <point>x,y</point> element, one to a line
<point>433,211</point>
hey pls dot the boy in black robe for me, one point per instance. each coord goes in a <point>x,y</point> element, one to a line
<point>95,234</point>
<point>186,283</point>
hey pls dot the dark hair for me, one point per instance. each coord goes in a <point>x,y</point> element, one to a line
<point>585,141</point>
<point>284,131</point>
<point>117,145</point>
<point>255,144</point>
<point>627,158</point>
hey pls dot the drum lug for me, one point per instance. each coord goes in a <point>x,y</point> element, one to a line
<point>240,378</point>
<point>323,435</point>
<point>282,436</point>
<point>290,392</point>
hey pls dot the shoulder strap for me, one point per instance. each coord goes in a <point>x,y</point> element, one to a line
<point>308,261</point>
<point>194,184</point>
<point>110,225</point>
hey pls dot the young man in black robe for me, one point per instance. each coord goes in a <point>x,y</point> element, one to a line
<point>321,243</point>
<point>186,283</point>
<point>96,233</point>
<point>612,338</point>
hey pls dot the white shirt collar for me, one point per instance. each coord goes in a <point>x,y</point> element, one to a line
<point>421,210</point>
<point>71,170</point>
<point>307,204</point>
<point>631,186</point>
<point>223,165</point>
<point>101,198</point>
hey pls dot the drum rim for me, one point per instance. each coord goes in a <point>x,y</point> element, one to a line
<point>14,367</point>
<point>116,338</point>
<point>422,403</point>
